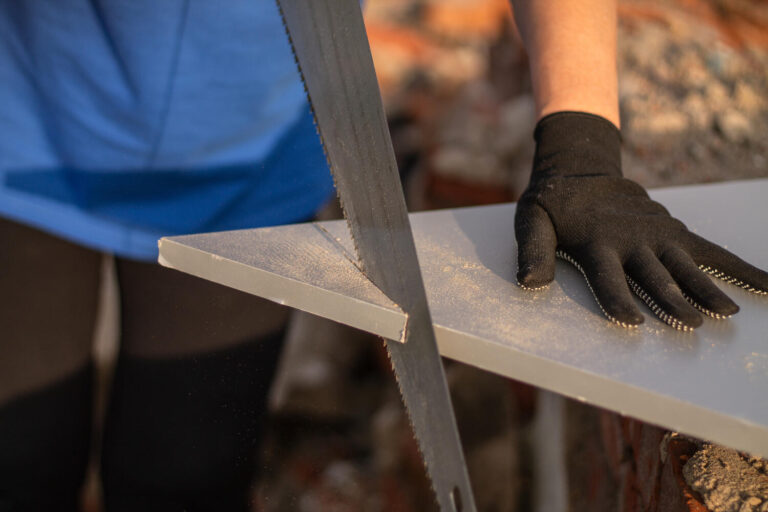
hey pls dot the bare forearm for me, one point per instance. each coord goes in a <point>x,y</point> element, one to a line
<point>572,49</point>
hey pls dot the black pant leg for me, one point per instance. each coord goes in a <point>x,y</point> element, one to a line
<point>48,306</point>
<point>44,446</point>
<point>189,396</point>
<point>184,434</point>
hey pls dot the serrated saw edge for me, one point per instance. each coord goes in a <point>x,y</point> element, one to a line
<point>331,49</point>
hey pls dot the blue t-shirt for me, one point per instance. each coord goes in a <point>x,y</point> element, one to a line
<point>124,121</point>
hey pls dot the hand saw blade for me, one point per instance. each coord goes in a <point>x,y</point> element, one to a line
<point>331,47</point>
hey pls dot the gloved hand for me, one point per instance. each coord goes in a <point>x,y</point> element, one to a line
<point>580,208</point>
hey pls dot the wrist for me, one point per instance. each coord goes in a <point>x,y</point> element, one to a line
<point>600,102</point>
<point>576,143</point>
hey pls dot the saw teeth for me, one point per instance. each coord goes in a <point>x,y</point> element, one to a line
<point>320,136</point>
<point>410,419</point>
<point>341,182</point>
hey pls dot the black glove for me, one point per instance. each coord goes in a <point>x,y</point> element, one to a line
<point>580,208</point>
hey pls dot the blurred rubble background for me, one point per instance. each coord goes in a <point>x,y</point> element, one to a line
<point>694,107</point>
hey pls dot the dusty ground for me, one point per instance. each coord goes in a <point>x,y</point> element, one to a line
<point>727,480</point>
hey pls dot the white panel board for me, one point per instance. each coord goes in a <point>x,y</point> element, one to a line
<point>711,383</point>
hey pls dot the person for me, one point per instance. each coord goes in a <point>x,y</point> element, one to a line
<point>126,121</point>
<point>123,122</point>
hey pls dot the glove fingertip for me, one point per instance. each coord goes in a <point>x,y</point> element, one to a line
<point>627,314</point>
<point>532,277</point>
<point>693,320</point>
<point>724,308</point>
<point>613,296</point>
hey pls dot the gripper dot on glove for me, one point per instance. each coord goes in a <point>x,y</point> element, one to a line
<point>580,208</point>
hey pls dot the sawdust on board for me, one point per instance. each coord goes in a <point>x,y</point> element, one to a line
<point>756,365</point>
<point>300,253</point>
<point>499,309</point>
